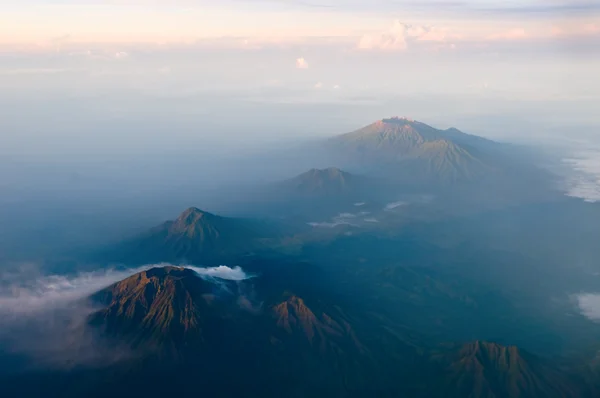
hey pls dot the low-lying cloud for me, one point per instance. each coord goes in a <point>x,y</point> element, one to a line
<point>223,272</point>
<point>395,205</point>
<point>20,296</point>
<point>45,316</point>
<point>589,305</point>
<point>584,181</point>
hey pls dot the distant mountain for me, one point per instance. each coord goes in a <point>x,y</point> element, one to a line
<point>412,151</point>
<point>196,237</point>
<point>489,370</point>
<point>323,182</point>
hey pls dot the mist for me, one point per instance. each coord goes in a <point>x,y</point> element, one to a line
<point>45,317</point>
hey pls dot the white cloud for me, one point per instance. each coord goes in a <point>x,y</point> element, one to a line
<point>319,85</point>
<point>336,87</point>
<point>584,179</point>
<point>121,55</point>
<point>21,296</point>
<point>223,272</point>
<point>394,205</point>
<point>589,304</point>
<point>301,63</point>
<point>399,36</point>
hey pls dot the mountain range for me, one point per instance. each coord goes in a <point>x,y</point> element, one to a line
<point>357,288</point>
<point>194,331</point>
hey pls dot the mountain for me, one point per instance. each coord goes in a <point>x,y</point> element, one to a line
<point>160,306</point>
<point>324,182</point>
<point>412,151</point>
<point>180,324</point>
<point>489,370</point>
<point>174,306</point>
<point>195,237</point>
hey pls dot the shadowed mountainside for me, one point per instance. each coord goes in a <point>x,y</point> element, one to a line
<point>195,237</point>
<point>489,370</point>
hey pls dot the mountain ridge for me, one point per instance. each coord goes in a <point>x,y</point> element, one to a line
<point>424,152</point>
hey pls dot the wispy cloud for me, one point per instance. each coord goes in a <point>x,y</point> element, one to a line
<point>20,295</point>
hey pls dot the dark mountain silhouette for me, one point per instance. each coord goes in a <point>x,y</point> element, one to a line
<point>195,237</point>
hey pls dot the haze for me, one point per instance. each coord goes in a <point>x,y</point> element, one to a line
<point>141,108</point>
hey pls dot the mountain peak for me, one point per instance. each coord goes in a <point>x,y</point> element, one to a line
<point>322,181</point>
<point>156,306</point>
<point>488,369</point>
<point>192,215</point>
<point>397,120</point>
<point>411,152</point>
<point>483,351</point>
<point>331,172</point>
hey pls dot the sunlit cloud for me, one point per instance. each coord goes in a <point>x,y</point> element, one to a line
<point>301,63</point>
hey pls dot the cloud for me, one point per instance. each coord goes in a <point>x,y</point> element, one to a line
<point>400,35</point>
<point>371,220</point>
<point>319,85</point>
<point>301,63</point>
<point>394,205</point>
<point>20,296</point>
<point>583,181</point>
<point>327,224</point>
<point>589,305</point>
<point>45,317</point>
<point>223,272</point>
<point>121,55</point>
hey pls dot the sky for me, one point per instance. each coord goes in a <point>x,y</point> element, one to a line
<point>93,81</point>
<point>190,60</point>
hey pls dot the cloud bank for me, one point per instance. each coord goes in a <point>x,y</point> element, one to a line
<point>20,296</point>
<point>45,317</point>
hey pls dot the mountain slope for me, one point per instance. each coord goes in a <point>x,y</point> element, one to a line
<point>483,369</point>
<point>323,182</point>
<point>412,151</point>
<point>160,306</point>
<point>195,237</point>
